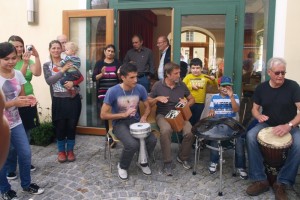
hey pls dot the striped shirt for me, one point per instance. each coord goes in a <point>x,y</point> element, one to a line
<point>222,105</point>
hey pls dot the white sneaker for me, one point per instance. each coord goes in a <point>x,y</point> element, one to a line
<point>242,172</point>
<point>212,167</point>
<point>145,168</point>
<point>122,173</point>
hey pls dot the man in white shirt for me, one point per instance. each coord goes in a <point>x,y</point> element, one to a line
<point>165,49</point>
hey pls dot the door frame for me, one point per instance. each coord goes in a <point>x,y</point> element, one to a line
<point>233,9</point>
<point>109,14</point>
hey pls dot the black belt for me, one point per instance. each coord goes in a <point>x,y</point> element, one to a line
<point>140,75</point>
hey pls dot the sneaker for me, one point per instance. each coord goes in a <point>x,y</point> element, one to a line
<point>33,189</point>
<point>112,143</point>
<point>32,168</point>
<point>11,176</point>
<point>257,188</point>
<point>167,169</point>
<point>71,156</point>
<point>185,163</point>
<point>62,157</point>
<point>279,190</point>
<point>242,172</point>
<point>122,173</point>
<point>10,195</point>
<point>212,167</point>
<point>145,168</point>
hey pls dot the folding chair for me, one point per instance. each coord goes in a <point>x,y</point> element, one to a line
<point>107,145</point>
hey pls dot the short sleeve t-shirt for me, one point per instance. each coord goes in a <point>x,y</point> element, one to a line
<point>222,105</point>
<point>11,89</point>
<point>161,89</point>
<point>28,76</point>
<point>121,100</point>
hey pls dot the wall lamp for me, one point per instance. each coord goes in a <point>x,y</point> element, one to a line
<point>31,12</point>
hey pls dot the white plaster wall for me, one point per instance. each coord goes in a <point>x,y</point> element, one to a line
<point>14,22</point>
<point>292,40</point>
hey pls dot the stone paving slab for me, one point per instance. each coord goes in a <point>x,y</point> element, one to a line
<point>89,177</point>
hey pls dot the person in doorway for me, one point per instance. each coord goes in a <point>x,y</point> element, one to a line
<point>197,82</point>
<point>121,104</point>
<point>63,39</point>
<point>226,104</point>
<point>166,94</point>
<point>276,103</point>
<point>29,114</point>
<point>165,55</point>
<point>66,107</point>
<point>12,84</point>
<point>106,75</point>
<point>142,58</point>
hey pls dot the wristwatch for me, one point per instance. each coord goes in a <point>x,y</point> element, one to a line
<point>290,124</point>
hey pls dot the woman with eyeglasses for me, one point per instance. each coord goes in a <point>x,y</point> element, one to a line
<point>66,107</point>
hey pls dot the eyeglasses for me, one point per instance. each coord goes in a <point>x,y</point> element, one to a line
<point>160,42</point>
<point>279,72</point>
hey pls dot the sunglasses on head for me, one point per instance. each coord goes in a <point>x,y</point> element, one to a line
<point>279,72</point>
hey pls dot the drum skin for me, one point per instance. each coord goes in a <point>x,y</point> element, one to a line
<point>274,150</point>
<point>140,130</point>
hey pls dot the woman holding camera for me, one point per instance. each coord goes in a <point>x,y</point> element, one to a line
<point>29,115</point>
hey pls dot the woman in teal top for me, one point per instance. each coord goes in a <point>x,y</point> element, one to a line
<point>29,115</point>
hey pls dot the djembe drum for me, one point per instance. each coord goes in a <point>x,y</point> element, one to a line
<point>141,131</point>
<point>274,150</point>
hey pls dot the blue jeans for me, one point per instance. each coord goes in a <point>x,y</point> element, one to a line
<point>19,140</point>
<point>288,172</point>
<point>240,159</point>
<point>131,144</point>
<point>196,110</point>
<point>144,81</point>
<point>12,159</point>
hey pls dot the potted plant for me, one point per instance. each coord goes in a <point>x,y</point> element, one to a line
<point>43,135</point>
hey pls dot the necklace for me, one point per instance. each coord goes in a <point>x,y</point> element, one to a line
<point>126,95</point>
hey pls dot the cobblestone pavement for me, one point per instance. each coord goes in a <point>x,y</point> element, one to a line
<point>89,177</point>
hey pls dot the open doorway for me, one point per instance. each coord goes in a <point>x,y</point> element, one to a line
<point>150,24</point>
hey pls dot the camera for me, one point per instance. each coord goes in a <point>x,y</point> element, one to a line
<point>29,47</point>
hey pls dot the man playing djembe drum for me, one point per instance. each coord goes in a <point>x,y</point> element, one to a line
<point>166,93</point>
<point>120,105</point>
<point>279,99</point>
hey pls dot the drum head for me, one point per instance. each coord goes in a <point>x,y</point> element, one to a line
<point>266,138</point>
<point>140,128</point>
<point>218,128</point>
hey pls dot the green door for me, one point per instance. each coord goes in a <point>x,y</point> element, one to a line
<point>209,33</point>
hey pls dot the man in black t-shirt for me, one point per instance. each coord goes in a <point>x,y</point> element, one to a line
<point>276,102</point>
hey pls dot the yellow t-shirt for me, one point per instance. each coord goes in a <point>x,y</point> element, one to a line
<point>201,81</point>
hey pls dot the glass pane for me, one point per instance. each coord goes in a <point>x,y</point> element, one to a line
<point>208,41</point>
<point>90,35</point>
<point>255,46</point>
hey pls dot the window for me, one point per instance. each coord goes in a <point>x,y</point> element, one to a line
<point>189,36</point>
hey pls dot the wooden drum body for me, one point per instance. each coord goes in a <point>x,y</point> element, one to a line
<point>274,150</point>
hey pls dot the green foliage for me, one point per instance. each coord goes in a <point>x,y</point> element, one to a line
<point>43,135</point>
